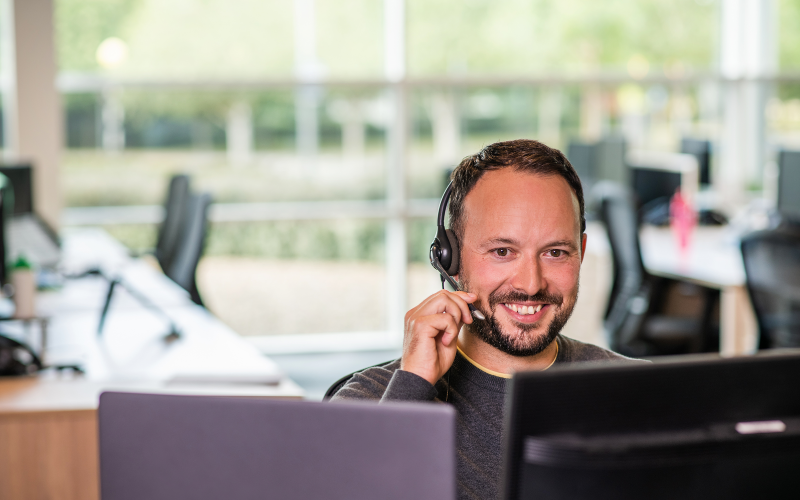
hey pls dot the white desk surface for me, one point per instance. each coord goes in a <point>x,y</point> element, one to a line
<point>131,354</point>
<point>713,258</point>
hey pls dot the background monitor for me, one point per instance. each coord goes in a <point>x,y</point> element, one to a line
<point>583,157</point>
<point>789,184</point>
<point>651,185</point>
<point>688,428</point>
<point>596,162</point>
<point>20,178</point>
<point>25,233</point>
<point>603,160</point>
<point>611,153</point>
<point>700,149</point>
<point>655,176</point>
<point>6,207</point>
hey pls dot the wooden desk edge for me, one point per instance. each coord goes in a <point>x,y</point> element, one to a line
<point>7,413</point>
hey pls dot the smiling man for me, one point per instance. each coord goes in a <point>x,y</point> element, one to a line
<point>517,212</point>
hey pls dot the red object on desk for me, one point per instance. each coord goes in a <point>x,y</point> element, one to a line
<point>683,219</point>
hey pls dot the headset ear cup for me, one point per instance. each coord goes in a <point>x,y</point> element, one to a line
<point>455,255</point>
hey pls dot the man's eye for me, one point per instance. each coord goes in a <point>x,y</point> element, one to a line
<point>502,252</point>
<point>557,253</point>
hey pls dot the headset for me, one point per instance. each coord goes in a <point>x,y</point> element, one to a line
<point>444,254</point>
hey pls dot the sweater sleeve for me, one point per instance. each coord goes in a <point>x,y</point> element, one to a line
<point>407,386</point>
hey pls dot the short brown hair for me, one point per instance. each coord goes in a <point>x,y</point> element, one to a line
<point>523,155</point>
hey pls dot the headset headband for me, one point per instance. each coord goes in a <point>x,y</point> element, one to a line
<point>443,204</point>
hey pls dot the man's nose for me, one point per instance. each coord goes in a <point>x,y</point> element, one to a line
<point>528,276</point>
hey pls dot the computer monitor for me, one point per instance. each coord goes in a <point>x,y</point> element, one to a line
<point>20,178</point>
<point>655,176</point>
<point>789,184</point>
<point>694,427</point>
<point>6,209</point>
<point>700,149</point>
<point>583,157</point>
<point>611,153</point>
<point>596,162</point>
<point>654,186</point>
<point>603,160</point>
<point>26,233</point>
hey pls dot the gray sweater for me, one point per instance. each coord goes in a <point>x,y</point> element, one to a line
<point>478,398</point>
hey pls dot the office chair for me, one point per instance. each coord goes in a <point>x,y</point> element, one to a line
<point>175,211</point>
<point>632,324</point>
<point>772,267</point>
<point>190,245</point>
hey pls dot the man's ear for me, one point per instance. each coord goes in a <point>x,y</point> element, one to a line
<point>583,246</point>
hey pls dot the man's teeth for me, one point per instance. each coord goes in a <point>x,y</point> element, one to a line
<point>523,310</point>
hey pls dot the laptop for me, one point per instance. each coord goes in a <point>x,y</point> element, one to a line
<point>199,447</point>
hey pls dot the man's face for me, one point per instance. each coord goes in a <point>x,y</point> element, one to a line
<point>521,254</point>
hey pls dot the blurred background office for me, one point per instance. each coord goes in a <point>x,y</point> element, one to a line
<point>326,129</point>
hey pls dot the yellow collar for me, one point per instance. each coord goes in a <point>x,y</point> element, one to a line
<point>482,368</point>
<point>498,374</point>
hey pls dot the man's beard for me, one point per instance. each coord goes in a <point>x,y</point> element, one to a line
<point>523,343</point>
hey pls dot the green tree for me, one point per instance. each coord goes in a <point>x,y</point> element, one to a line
<point>81,25</point>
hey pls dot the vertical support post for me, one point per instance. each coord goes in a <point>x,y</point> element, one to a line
<point>748,55</point>
<point>353,132</point>
<point>307,122</point>
<point>112,121</point>
<point>307,69</point>
<point>239,133</point>
<point>397,142</point>
<point>446,128</point>
<point>550,116</point>
<point>33,116</point>
<point>593,113</point>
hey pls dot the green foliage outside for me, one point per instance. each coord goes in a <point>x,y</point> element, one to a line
<point>81,25</point>
<point>255,38</point>
<point>316,240</point>
<point>788,35</point>
<point>313,240</point>
<point>539,36</point>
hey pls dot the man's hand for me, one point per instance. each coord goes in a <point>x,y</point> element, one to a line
<point>431,333</point>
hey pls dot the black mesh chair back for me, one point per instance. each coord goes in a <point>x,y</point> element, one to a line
<point>772,265</point>
<point>190,245</point>
<point>169,232</point>
<point>629,298</point>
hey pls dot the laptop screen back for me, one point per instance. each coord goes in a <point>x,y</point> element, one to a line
<point>174,447</point>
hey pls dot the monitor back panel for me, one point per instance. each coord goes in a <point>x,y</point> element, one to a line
<point>676,429</point>
<point>189,447</point>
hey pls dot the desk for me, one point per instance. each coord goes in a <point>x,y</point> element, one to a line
<point>48,423</point>
<point>713,260</point>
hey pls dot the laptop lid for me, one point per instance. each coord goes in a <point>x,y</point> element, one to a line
<point>195,447</point>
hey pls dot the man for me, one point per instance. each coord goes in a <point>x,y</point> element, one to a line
<point>517,212</point>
